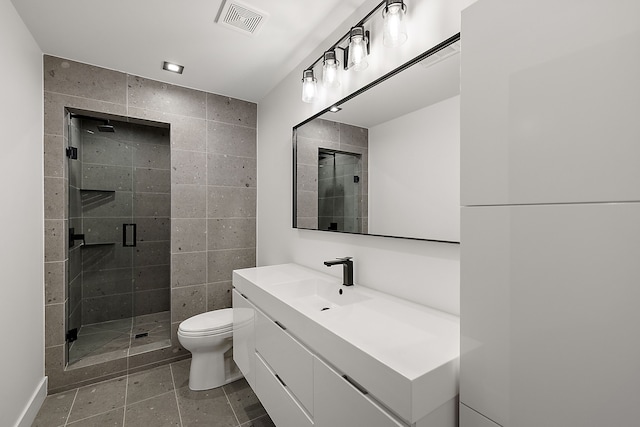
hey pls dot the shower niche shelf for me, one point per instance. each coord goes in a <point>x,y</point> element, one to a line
<point>89,196</point>
<point>95,245</point>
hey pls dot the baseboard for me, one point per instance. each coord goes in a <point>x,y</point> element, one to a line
<point>36,401</point>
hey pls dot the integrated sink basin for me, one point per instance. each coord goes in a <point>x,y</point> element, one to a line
<point>317,294</point>
<point>404,354</point>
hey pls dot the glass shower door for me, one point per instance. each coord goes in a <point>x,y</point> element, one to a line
<point>106,232</point>
<point>151,258</point>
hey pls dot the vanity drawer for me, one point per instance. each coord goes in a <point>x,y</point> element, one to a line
<point>339,403</point>
<point>281,406</point>
<point>244,349</point>
<point>287,357</point>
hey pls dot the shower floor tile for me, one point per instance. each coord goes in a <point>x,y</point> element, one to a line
<point>155,397</point>
<point>120,325</point>
<point>115,339</point>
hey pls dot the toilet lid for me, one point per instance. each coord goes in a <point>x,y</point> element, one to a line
<point>212,322</point>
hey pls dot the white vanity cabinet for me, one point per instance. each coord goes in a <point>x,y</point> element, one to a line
<point>315,356</point>
<point>341,402</point>
<point>244,346</point>
<point>288,359</point>
<point>277,367</point>
<point>291,381</point>
<point>283,407</point>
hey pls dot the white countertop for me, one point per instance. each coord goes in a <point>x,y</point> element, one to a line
<point>404,353</point>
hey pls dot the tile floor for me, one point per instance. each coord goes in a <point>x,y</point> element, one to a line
<point>154,398</point>
<point>115,339</point>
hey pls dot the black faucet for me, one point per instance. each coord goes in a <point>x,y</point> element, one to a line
<point>347,269</point>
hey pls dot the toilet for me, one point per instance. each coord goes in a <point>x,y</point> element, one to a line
<point>208,336</point>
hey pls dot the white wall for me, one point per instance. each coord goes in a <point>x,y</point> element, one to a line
<point>421,151</point>
<point>420,271</point>
<point>21,216</point>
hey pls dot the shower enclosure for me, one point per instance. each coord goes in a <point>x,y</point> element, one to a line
<point>118,274</point>
<point>339,191</point>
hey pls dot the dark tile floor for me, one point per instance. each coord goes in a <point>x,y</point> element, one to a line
<point>155,398</point>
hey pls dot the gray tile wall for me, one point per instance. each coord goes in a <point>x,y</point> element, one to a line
<point>213,200</point>
<point>316,206</point>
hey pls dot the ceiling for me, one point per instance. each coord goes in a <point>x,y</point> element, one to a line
<point>137,36</point>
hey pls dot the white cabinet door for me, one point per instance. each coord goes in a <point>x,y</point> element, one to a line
<point>550,317</point>
<point>244,349</point>
<point>283,409</point>
<point>338,403</point>
<point>287,357</point>
<point>550,101</point>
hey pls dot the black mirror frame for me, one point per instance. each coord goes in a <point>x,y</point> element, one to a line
<point>451,40</point>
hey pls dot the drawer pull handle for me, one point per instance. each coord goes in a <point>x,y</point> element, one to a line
<point>284,328</point>
<point>355,385</point>
<point>280,379</point>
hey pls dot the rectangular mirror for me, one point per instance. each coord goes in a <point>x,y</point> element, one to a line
<point>387,163</point>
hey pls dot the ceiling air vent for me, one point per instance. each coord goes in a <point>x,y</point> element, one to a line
<point>242,17</point>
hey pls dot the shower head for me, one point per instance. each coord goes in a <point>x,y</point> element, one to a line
<point>106,127</point>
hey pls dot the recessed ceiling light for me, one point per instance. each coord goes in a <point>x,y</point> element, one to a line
<point>174,68</point>
<point>335,109</point>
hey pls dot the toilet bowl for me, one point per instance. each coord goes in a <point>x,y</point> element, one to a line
<point>208,336</point>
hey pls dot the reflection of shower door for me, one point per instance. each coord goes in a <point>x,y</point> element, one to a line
<point>339,194</point>
<point>119,202</point>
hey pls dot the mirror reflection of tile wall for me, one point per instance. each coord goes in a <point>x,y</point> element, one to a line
<point>339,191</point>
<point>329,196</point>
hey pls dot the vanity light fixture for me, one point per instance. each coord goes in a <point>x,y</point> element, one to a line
<point>395,30</point>
<point>174,68</point>
<point>358,48</point>
<point>330,76</point>
<point>309,89</point>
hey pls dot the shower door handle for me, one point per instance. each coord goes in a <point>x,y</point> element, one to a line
<point>126,241</point>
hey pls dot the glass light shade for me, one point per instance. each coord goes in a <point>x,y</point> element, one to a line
<point>309,89</point>
<point>358,49</point>
<point>395,29</point>
<point>330,69</point>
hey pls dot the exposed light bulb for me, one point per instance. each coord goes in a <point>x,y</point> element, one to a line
<point>358,49</point>
<point>395,30</point>
<point>309,89</point>
<point>330,77</point>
